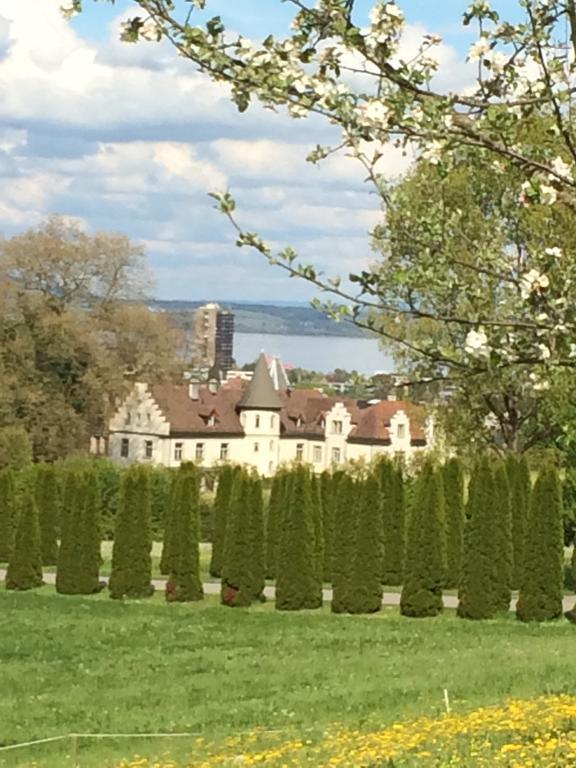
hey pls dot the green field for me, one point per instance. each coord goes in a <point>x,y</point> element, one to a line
<point>91,665</point>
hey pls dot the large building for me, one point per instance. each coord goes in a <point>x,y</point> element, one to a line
<point>260,426</point>
<point>213,342</point>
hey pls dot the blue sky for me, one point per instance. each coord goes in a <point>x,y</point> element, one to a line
<point>131,139</point>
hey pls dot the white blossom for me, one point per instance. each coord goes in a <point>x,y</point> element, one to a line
<point>68,11</point>
<point>560,167</point>
<point>533,282</point>
<point>476,342</point>
<point>572,352</point>
<point>479,49</point>
<point>374,112</point>
<point>555,252</point>
<point>433,152</point>
<point>149,31</point>
<point>497,61</point>
<point>544,351</point>
<point>548,195</point>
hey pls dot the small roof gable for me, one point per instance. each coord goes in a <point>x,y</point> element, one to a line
<point>260,392</point>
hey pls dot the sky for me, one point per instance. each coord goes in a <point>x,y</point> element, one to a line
<point>129,138</point>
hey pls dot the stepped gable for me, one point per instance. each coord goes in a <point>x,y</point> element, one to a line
<point>260,393</point>
<point>187,416</point>
<point>374,421</point>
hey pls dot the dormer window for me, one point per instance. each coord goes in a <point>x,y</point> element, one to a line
<point>211,420</point>
<point>128,418</point>
<point>401,431</point>
<point>299,422</point>
<point>336,427</point>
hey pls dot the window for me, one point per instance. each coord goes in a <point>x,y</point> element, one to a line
<point>178,451</point>
<point>336,427</point>
<point>128,417</point>
<point>199,451</point>
<point>401,431</point>
<point>317,454</point>
<point>272,421</point>
<point>148,449</point>
<point>257,421</point>
<point>125,448</point>
<point>271,445</point>
<point>299,422</point>
<point>212,420</point>
<point>256,447</point>
<point>299,451</point>
<point>336,455</point>
<point>149,417</point>
<point>224,452</point>
<point>138,418</point>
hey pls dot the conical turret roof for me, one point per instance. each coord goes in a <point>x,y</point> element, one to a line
<point>260,392</point>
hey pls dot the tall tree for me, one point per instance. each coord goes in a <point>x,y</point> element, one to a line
<point>453,481</point>
<point>393,522</point>
<point>131,560</point>
<point>256,525</point>
<point>520,487</point>
<point>478,593</point>
<point>328,483</point>
<point>47,500</point>
<point>220,512</point>
<point>237,578</point>
<point>170,538</point>
<point>317,521</point>
<point>296,582</point>
<point>91,541</point>
<point>69,571</point>
<point>274,521</point>
<point>365,593</point>
<point>540,597</point>
<point>344,541</point>
<point>7,514</point>
<point>425,565</point>
<point>503,547</point>
<point>25,567</point>
<point>185,584</point>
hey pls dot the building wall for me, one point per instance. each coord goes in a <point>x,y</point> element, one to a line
<point>261,444</point>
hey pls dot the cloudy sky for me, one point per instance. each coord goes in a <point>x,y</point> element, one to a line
<point>129,138</point>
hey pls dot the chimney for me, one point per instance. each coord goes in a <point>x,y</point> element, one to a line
<point>213,385</point>
<point>194,389</point>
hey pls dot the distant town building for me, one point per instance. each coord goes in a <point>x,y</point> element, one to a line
<point>213,338</point>
<point>262,424</point>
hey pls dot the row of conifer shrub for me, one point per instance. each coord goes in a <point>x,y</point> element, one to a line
<point>354,533</point>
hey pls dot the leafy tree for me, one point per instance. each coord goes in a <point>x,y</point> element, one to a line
<point>425,565</point>
<point>502,538</point>
<point>220,511</point>
<point>540,597</point>
<point>15,448</point>
<point>185,584</point>
<point>520,488</point>
<point>7,514</point>
<point>344,541</point>
<point>478,594</point>
<point>25,567</point>
<point>47,501</point>
<point>296,578</point>
<point>237,578</point>
<point>393,522</point>
<point>453,482</point>
<point>365,593</point>
<point>131,561</point>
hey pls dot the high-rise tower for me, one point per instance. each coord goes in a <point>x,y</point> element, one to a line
<point>213,342</point>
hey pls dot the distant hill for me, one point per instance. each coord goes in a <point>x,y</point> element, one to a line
<point>282,319</point>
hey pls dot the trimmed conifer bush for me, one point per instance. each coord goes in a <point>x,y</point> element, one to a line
<point>393,514</point>
<point>425,565</point>
<point>453,481</point>
<point>328,494</point>
<point>219,516</point>
<point>296,582</point>
<point>184,584</point>
<point>7,514</point>
<point>170,539</point>
<point>69,576</point>
<point>47,500</point>
<point>478,593</point>
<point>91,538</point>
<point>344,541</point>
<point>25,566</point>
<point>237,579</point>
<point>540,597</point>
<point>365,592</point>
<point>256,524</point>
<point>502,539</point>
<point>131,561</point>
<point>273,521</point>
<point>317,517</point>
<point>520,488</point>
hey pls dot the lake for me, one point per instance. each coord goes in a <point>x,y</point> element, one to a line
<point>316,353</point>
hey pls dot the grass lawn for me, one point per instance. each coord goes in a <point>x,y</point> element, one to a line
<point>92,665</point>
